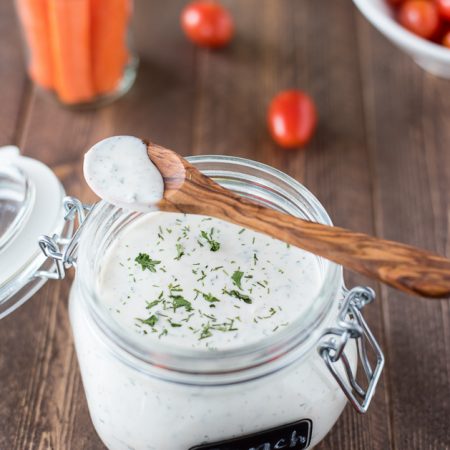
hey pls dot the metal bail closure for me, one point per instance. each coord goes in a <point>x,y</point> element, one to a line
<point>351,325</point>
<point>63,251</point>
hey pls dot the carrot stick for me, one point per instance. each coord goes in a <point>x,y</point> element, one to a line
<point>109,50</point>
<point>70,38</point>
<point>35,21</point>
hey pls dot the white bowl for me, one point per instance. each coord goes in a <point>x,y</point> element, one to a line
<point>432,57</point>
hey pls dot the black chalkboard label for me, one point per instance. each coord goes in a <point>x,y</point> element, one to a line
<point>295,436</point>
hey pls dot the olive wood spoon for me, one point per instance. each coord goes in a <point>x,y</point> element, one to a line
<point>401,266</point>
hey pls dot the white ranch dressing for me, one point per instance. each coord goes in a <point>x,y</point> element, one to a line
<point>195,282</point>
<point>119,171</point>
<point>132,410</point>
<point>200,282</point>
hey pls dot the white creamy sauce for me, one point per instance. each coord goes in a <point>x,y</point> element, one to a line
<point>194,282</point>
<point>132,409</point>
<point>200,282</point>
<point>119,171</point>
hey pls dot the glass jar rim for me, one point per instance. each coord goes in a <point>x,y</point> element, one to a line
<point>300,335</point>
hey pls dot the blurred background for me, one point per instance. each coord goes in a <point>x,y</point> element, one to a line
<point>379,161</point>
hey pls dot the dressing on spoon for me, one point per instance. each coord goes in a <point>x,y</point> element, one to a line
<point>119,171</point>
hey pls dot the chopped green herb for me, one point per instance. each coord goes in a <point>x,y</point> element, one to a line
<point>163,333</point>
<point>205,332</point>
<point>150,321</point>
<point>144,260</point>
<point>150,305</point>
<point>208,297</point>
<point>180,251</point>
<point>238,295</point>
<point>272,311</point>
<point>186,319</point>
<point>174,288</point>
<point>209,316</point>
<point>237,277</point>
<point>213,244</point>
<point>203,276</point>
<point>180,302</point>
<point>227,326</point>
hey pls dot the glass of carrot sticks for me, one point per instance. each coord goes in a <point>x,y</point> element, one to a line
<point>78,49</point>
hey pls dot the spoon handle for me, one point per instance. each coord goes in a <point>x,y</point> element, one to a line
<point>401,266</point>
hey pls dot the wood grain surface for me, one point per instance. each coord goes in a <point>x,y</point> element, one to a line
<point>379,163</point>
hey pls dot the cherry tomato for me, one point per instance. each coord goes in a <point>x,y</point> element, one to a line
<point>444,8</point>
<point>207,23</point>
<point>292,118</point>
<point>395,3</point>
<point>420,17</point>
<point>446,39</point>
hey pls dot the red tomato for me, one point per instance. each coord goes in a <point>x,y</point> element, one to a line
<point>444,8</point>
<point>420,17</point>
<point>207,23</point>
<point>446,39</point>
<point>292,118</point>
<point>395,3</point>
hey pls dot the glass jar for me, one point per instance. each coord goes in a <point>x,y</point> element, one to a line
<point>79,50</point>
<point>284,391</point>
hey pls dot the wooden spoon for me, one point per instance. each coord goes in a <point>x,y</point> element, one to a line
<point>401,266</point>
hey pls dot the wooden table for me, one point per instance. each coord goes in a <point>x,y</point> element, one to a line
<point>380,163</point>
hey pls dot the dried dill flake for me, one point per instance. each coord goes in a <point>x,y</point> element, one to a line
<point>144,260</point>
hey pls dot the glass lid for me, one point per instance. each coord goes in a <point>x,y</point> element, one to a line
<point>30,205</point>
<point>16,201</point>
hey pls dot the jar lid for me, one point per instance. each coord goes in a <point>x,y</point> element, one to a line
<point>30,206</point>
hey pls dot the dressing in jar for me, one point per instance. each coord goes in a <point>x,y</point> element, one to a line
<point>194,333</point>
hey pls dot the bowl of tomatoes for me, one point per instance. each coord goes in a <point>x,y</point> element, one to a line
<point>419,27</point>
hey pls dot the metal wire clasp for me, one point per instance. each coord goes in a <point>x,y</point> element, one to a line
<point>351,325</point>
<point>62,250</point>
